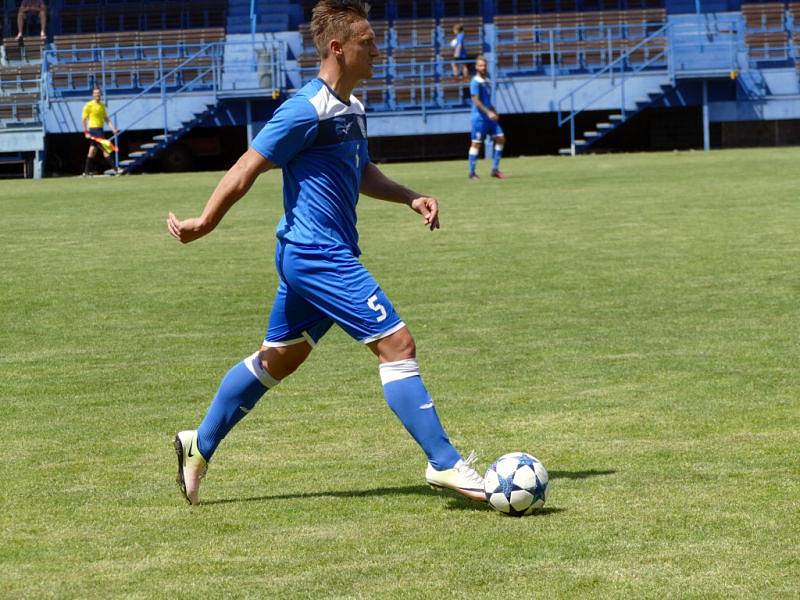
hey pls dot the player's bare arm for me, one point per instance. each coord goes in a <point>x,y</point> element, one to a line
<point>487,111</point>
<point>377,185</point>
<point>233,186</point>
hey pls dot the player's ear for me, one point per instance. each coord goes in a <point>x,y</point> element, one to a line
<point>335,47</point>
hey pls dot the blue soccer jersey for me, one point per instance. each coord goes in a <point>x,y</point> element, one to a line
<point>482,88</point>
<point>458,43</point>
<point>320,142</point>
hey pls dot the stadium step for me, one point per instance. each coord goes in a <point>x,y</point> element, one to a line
<point>604,125</point>
<point>615,118</point>
<point>591,134</point>
<point>163,140</point>
<point>580,145</point>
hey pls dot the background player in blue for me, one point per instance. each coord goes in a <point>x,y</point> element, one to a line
<point>318,137</point>
<point>485,120</point>
<point>459,52</point>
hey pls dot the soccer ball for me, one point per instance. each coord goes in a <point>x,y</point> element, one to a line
<point>516,484</point>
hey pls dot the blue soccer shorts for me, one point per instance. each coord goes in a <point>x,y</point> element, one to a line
<point>319,288</point>
<point>485,128</point>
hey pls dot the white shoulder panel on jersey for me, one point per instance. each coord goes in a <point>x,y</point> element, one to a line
<point>328,105</point>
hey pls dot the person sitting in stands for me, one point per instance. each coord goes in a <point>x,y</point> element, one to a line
<point>25,9</point>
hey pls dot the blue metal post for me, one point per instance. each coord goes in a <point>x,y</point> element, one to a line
<point>572,124</point>
<point>163,97</point>
<point>622,88</point>
<point>249,114</point>
<point>706,135</point>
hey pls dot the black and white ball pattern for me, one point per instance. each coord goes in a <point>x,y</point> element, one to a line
<point>516,484</point>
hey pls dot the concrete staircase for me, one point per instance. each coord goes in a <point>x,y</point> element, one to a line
<point>616,119</point>
<point>162,141</point>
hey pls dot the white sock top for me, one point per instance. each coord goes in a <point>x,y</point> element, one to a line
<point>399,369</point>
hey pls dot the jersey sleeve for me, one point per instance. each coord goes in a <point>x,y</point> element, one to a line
<point>474,88</point>
<point>291,129</point>
<point>85,113</point>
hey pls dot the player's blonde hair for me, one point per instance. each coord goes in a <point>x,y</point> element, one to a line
<point>333,19</point>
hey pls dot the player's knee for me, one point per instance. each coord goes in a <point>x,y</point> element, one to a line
<point>398,346</point>
<point>407,347</point>
<point>280,362</point>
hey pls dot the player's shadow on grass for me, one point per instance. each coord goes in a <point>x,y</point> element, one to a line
<point>456,502</point>
<point>580,474</point>
<point>384,491</point>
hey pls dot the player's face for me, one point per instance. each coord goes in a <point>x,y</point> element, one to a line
<point>480,68</point>
<point>360,51</point>
<point>96,95</point>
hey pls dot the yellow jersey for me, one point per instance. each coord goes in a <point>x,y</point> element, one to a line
<point>95,113</point>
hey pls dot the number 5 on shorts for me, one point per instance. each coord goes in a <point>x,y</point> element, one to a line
<point>373,304</point>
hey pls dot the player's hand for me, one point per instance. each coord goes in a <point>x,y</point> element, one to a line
<point>493,116</point>
<point>429,208</point>
<point>185,231</point>
<point>86,135</point>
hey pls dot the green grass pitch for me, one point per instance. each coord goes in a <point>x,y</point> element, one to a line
<point>631,320</point>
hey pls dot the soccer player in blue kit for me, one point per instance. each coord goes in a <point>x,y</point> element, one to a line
<point>485,120</point>
<point>319,139</point>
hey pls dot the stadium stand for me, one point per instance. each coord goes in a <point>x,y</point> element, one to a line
<point>410,33</point>
<point>133,60</point>
<point>100,16</point>
<point>461,9</point>
<point>19,109</point>
<point>414,9</point>
<point>767,36</point>
<point>575,41</point>
<point>28,52</point>
<point>131,47</point>
<point>473,33</point>
<point>20,86</point>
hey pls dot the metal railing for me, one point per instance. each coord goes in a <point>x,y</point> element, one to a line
<point>160,85</point>
<point>420,86</point>
<point>620,72</point>
<point>19,111</point>
<point>566,49</point>
<point>197,68</point>
<point>711,48</point>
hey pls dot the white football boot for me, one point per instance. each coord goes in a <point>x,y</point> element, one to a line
<point>462,478</point>
<point>192,466</point>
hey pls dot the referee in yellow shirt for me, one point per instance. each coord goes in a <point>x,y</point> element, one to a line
<point>94,116</point>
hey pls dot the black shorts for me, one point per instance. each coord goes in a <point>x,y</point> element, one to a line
<point>98,133</point>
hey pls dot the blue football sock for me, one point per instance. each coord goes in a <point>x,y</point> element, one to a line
<point>473,160</point>
<point>407,397</point>
<point>238,393</point>
<point>498,154</point>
